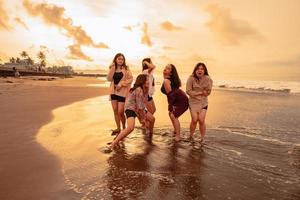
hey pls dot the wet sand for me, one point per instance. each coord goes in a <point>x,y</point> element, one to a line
<point>252,151</point>
<point>53,134</point>
<point>28,170</point>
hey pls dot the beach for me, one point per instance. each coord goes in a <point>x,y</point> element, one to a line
<point>54,134</point>
<point>28,170</point>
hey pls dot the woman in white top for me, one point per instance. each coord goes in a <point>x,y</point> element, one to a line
<point>148,68</point>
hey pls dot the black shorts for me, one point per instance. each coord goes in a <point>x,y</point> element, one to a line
<point>130,113</point>
<point>117,98</point>
<point>150,98</point>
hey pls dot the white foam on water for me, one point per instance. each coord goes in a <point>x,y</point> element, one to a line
<point>292,87</point>
<point>273,140</point>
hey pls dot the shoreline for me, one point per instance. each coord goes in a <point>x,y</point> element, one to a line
<point>240,147</point>
<point>54,130</point>
<point>28,170</point>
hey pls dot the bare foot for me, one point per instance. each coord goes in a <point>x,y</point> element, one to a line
<point>177,138</point>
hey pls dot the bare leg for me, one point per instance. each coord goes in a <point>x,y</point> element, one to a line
<point>151,119</point>
<point>194,120</point>
<point>121,113</point>
<point>176,126</point>
<point>202,126</point>
<point>124,132</point>
<point>151,106</point>
<point>114,105</point>
<point>174,131</point>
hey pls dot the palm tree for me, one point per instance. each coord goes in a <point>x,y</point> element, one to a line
<point>12,60</point>
<point>43,63</point>
<point>30,61</point>
<point>41,55</point>
<point>42,58</point>
<point>24,54</point>
<point>18,60</point>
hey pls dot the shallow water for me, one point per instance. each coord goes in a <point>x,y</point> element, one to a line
<point>252,151</point>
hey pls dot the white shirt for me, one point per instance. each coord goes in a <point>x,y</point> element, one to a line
<point>151,79</point>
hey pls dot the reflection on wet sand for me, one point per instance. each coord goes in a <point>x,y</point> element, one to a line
<point>138,175</point>
<point>239,161</point>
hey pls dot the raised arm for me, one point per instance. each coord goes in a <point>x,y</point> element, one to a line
<point>150,66</point>
<point>111,72</point>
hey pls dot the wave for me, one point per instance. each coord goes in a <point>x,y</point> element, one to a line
<point>286,87</point>
<point>283,87</point>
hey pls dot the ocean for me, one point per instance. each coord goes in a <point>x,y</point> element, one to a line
<point>252,148</point>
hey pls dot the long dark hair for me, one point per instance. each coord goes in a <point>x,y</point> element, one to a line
<point>174,78</point>
<point>144,65</point>
<point>139,82</point>
<point>115,60</point>
<point>200,64</point>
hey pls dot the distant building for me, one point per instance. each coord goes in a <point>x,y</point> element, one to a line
<point>22,65</point>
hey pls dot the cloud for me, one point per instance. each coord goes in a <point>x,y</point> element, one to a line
<point>4,19</point>
<point>227,29</point>
<point>20,21</point>
<point>55,16</point>
<point>32,46</point>
<point>60,62</point>
<point>77,54</point>
<point>146,38</point>
<point>3,57</point>
<point>201,58</point>
<point>102,45</point>
<point>168,26</point>
<point>129,28</point>
<point>287,62</point>
<point>168,48</point>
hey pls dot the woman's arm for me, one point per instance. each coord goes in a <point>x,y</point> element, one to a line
<point>207,91</point>
<point>111,72</point>
<point>189,88</point>
<point>150,66</point>
<point>170,94</point>
<point>140,104</point>
<point>128,79</point>
<point>167,85</point>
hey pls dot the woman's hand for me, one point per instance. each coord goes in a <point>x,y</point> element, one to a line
<point>118,87</point>
<point>145,63</point>
<point>123,83</point>
<point>205,93</point>
<point>112,65</point>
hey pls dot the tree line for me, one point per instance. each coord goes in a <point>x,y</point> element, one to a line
<point>27,60</point>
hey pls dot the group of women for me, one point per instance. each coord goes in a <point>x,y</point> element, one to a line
<point>138,102</point>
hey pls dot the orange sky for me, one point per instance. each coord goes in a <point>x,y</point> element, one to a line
<point>236,39</point>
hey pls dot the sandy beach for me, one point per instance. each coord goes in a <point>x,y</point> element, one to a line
<point>54,134</point>
<point>28,170</point>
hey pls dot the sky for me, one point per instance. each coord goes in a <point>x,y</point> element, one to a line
<point>249,39</point>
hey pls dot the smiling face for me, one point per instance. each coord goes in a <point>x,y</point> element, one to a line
<point>120,60</point>
<point>167,71</point>
<point>200,71</point>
